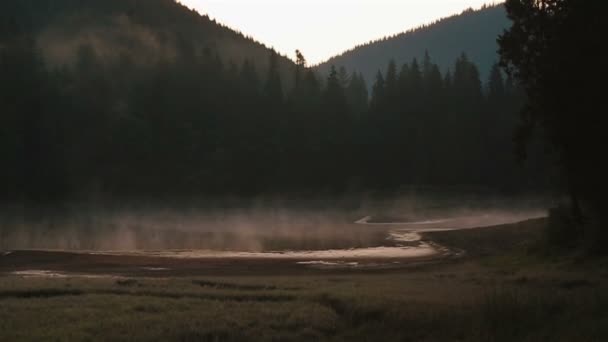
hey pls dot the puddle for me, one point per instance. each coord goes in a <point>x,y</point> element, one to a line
<point>322,264</point>
<point>368,220</point>
<point>422,250</point>
<point>155,269</point>
<point>404,236</point>
<point>329,264</point>
<point>39,274</point>
<point>54,274</point>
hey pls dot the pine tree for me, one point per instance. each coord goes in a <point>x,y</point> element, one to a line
<point>392,90</point>
<point>249,78</point>
<point>273,87</point>
<point>466,80</point>
<point>427,65</point>
<point>496,85</point>
<point>543,51</point>
<point>356,93</point>
<point>343,77</point>
<point>300,68</point>
<point>378,94</point>
<point>334,91</point>
<point>404,80</point>
<point>415,77</point>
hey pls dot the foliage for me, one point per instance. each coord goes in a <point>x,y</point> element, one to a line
<point>543,50</point>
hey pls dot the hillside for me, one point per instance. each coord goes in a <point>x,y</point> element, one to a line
<point>145,31</point>
<point>147,99</point>
<point>472,32</point>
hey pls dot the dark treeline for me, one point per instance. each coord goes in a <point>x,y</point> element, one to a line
<point>442,129</point>
<point>196,125</point>
<point>195,122</point>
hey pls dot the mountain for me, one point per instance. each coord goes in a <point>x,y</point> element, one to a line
<point>147,31</point>
<point>150,100</point>
<point>473,32</point>
<point>132,97</point>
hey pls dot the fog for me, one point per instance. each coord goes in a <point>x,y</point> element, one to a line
<point>61,43</point>
<point>253,225</point>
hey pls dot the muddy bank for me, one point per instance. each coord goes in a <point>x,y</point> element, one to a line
<point>30,263</point>
<point>478,242</point>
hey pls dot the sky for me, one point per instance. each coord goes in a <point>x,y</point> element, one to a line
<point>324,28</point>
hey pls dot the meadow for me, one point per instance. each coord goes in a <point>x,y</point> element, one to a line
<point>507,287</point>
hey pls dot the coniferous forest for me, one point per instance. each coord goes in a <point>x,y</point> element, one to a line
<point>472,31</point>
<point>196,125</point>
<point>195,122</point>
<point>164,177</point>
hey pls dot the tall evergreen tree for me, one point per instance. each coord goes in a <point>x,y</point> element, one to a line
<point>392,90</point>
<point>343,77</point>
<point>496,85</point>
<point>378,94</point>
<point>273,87</point>
<point>300,68</point>
<point>357,95</point>
<point>543,49</point>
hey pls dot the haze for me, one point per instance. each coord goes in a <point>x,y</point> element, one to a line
<point>322,28</point>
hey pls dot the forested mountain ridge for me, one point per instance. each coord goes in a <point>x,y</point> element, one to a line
<point>119,99</point>
<point>144,32</point>
<point>473,32</point>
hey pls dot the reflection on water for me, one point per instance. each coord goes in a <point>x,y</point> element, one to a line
<point>422,250</point>
<point>403,241</point>
<point>313,238</point>
<point>54,274</point>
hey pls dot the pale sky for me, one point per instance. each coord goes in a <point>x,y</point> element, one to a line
<point>324,28</point>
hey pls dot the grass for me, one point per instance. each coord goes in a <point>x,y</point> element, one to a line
<point>504,294</point>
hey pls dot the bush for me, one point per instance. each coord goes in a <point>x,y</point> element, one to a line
<point>562,229</point>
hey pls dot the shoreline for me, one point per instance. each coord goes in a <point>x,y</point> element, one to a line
<point>409,247</point>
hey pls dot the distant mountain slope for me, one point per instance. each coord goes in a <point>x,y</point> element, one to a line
<point>472,32</point>
<point>147,31</point>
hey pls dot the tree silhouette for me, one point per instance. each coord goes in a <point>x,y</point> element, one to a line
<point>273,87</point>
<point>300,67</point>
<point>114,120</point>
<point>543,51</point>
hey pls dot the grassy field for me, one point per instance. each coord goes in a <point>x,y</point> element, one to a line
<point>503,289</point>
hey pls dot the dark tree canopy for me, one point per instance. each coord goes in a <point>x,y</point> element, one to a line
<point>547,50</point>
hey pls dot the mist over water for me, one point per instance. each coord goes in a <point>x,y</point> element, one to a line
<point>253,226</point>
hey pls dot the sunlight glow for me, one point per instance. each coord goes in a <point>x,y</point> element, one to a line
<point>324,28</point>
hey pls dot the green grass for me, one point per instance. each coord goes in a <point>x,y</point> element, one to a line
<point>504,295</point>
<point>464,302</point>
